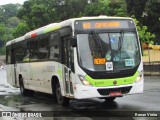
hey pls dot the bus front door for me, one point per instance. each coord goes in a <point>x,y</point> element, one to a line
<point>67,68</point>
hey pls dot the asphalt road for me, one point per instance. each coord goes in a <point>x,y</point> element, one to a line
<point>124,108</point>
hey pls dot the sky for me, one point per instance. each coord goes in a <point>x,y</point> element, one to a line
<point>3,2</point>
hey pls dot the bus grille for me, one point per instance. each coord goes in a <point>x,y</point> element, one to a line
<point>106,91</point>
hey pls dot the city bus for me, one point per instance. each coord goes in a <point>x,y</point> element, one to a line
<point>79,58</point>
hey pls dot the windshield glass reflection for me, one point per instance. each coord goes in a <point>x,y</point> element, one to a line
<point>120,50</point>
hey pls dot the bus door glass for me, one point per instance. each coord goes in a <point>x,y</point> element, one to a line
<point>8,62</point>
<point>13,67</point>
<point>67,60</point>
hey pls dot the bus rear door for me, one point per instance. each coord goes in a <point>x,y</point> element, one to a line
<point>13,66</point>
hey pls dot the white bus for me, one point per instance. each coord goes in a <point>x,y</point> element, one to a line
<point>80,58</point>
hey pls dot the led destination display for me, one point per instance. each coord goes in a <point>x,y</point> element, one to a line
<point>103,24</point>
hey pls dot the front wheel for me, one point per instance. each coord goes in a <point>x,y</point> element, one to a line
<point>61,99</point>
<point>110,99</point>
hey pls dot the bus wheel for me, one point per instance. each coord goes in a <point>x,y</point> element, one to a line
<point>22,89</point>
<point>61,99</point>
<point>109,99</point>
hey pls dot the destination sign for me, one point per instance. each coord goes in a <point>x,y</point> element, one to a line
<point>100,61</point>
<point>103,24</point>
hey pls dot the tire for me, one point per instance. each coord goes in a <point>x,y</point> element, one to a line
<point>61,100</point>
<point>24,91</point>
<point>109,99</point>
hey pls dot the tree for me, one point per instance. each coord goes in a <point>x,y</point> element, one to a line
<point>20,30</point>
<point>97,8</point>
<point>117,8</point>
<point>12,22</point>
<point>136,8</point>
<point>7,11</point>
<point>70,8</point>
<point>3,38</point>
<point>144,35</point>
<point>37,13</point>
<point>152,18</point>
<point>8,21</point>
<point>107,7</point>
<point>147,12</point>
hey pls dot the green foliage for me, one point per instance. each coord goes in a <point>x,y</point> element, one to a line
<point>152,18</point>
<point>117,8</point>
<point>5,33</point>
<point>12,22</point>
<point>37,13</point>
<point>144,35</point>
<point>8,21</point>
<point>2,50</point>
<point>95,9</point>
<point>147,12</point>
<point>20,30</point>
<point>2,30</point>
<point>136,7</point>
<point>106,7</point>
<point>3,38</point>
<point>7,11</point>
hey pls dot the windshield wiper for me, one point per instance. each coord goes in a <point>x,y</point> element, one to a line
<point>99,45</point>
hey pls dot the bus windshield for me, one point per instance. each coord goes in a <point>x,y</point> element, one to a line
<point>108,51</point>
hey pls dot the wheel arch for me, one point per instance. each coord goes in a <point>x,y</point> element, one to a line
<point>54,81</point>
<point>19,78</point>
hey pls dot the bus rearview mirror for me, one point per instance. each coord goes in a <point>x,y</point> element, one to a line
<point>73,42</point>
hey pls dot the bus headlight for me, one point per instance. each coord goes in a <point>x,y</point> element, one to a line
<point>83,80</point>
<point>139,78</point>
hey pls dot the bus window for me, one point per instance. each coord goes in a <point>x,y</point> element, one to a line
<point>25,51</point>
<point>34,50</point>
<point>8,55</point>
<point>54,46</point>
<point>19,52</point>
<point>13,58</point>
<point>43,48</point>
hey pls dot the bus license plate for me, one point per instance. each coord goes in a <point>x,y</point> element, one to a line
<point>114,94</point>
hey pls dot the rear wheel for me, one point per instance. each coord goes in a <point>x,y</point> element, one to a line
<point>109,99</point>
<point>24,91</point>
<point>61,99</point>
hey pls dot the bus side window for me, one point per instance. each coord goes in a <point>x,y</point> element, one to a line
<point>8,55</point>
<point>19,52</point>
<point>34,50</point>
<point>13,57</point>
<point>43,48</point>
<point>25,51</point>
<point>54,46</point>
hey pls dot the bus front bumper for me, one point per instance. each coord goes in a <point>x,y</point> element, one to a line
<point>84,92</point>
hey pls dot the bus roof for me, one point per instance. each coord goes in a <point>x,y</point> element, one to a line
<point>56,26</point>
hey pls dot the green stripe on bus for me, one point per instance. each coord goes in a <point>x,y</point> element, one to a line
<point>59,71</point>
<point>110,82</point>
<point>52,29</point>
